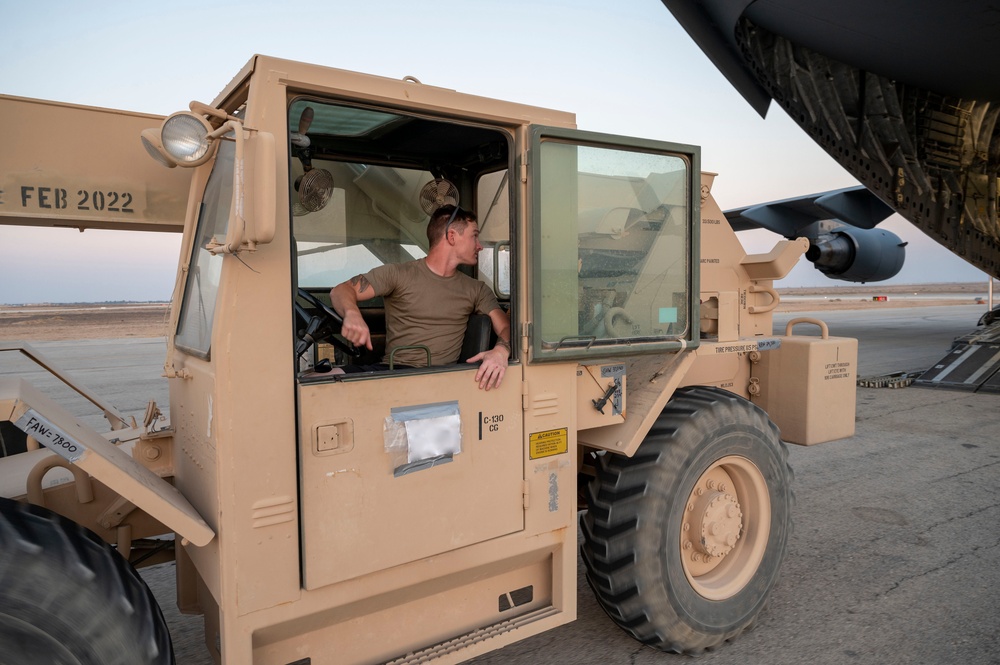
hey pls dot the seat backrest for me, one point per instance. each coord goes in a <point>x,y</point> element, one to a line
<point>479,337</point>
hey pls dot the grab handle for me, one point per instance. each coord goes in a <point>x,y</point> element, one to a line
<point>420,347</point>
<point>805,319</point>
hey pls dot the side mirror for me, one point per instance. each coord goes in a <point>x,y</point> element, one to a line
<point>251,215</point>
<point>260,188</point>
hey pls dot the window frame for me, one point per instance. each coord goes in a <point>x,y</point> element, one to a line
<point>581,348</point>
<point>407,161</point>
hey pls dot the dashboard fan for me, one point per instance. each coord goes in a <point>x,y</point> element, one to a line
<point>436,193</point>
<point>315,188</point>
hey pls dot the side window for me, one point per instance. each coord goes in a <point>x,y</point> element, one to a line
<point>493,196</point>
<point>613,247</point>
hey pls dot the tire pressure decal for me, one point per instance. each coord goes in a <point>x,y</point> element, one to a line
<point>50,436</point>
<point>765,344</point>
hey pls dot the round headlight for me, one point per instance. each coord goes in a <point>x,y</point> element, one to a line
<point>185,138</point>
<point>151,142</point>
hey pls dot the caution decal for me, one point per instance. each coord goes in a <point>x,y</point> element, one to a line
<point>548,443</point>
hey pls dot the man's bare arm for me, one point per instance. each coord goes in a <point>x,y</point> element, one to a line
<point>345,298</point>
<point>494,361</point>
<point>501,326</point>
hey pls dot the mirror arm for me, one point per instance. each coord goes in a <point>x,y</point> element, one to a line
<point>237,221</point>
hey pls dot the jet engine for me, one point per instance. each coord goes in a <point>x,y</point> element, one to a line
<point>852,254</point>
<point>841,228</point>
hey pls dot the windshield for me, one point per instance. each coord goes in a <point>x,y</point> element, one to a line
<point>383,228</point>
<point>194,327</point>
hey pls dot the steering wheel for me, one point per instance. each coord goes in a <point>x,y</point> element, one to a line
<point>317,323</point>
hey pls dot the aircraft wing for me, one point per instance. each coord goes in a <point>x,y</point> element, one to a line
<point>789,217</point>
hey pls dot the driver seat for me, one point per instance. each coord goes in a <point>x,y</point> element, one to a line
<point>479,337</point>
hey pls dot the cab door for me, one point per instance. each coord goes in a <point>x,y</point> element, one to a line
<point>399,467</point>
<point>613,245</point>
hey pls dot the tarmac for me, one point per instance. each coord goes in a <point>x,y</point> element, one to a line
<point>895,552</point>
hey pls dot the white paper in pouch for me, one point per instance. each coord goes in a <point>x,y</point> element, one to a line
<point>433,437</point>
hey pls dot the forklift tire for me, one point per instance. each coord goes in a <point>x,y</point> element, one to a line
<point>683,542</point>
<point>67,597</point>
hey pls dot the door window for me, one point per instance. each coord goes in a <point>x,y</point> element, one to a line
<point>613,247</point>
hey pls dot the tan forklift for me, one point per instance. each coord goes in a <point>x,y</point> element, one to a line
<point>405,516</point>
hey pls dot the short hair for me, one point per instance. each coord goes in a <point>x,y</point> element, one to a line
<point>439,220</point>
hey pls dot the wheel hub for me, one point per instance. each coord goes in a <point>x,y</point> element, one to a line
<point>725,527</point>
<point>713,521</point>
<point>721,522</point>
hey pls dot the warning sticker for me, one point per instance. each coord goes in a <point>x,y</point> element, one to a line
<point>548,443</point>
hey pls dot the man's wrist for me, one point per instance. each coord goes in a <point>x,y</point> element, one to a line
<point>504,343</point>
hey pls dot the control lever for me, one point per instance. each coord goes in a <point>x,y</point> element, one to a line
<point>599,403</point>
<point>307,337</point>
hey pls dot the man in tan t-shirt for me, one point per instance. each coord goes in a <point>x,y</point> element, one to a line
<point>429,301</point>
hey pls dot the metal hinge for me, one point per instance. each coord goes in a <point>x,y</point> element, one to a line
<point>526,493</point>
<point>170,372</point>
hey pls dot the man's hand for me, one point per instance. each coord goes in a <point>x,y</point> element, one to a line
<point>345,297</point>
<point>494,366</point>
<point>356,330</point>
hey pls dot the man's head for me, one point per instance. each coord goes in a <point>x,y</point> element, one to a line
<point>448,218</point>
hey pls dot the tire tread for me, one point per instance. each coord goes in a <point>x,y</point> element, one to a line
<point>615,516</point>
<point>58,574</point>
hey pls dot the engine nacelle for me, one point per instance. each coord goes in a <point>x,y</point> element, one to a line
<point>852,254</point>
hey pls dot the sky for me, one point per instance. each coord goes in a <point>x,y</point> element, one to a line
<point>622,66</point>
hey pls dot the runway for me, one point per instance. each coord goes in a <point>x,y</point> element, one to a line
<point>895,553</point>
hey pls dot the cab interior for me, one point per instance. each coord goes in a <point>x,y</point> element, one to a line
<point>363,184</point>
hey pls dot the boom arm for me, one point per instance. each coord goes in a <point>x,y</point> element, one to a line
<point>84,167</point>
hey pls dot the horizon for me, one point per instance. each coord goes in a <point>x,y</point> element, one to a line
<point>834,286</point>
